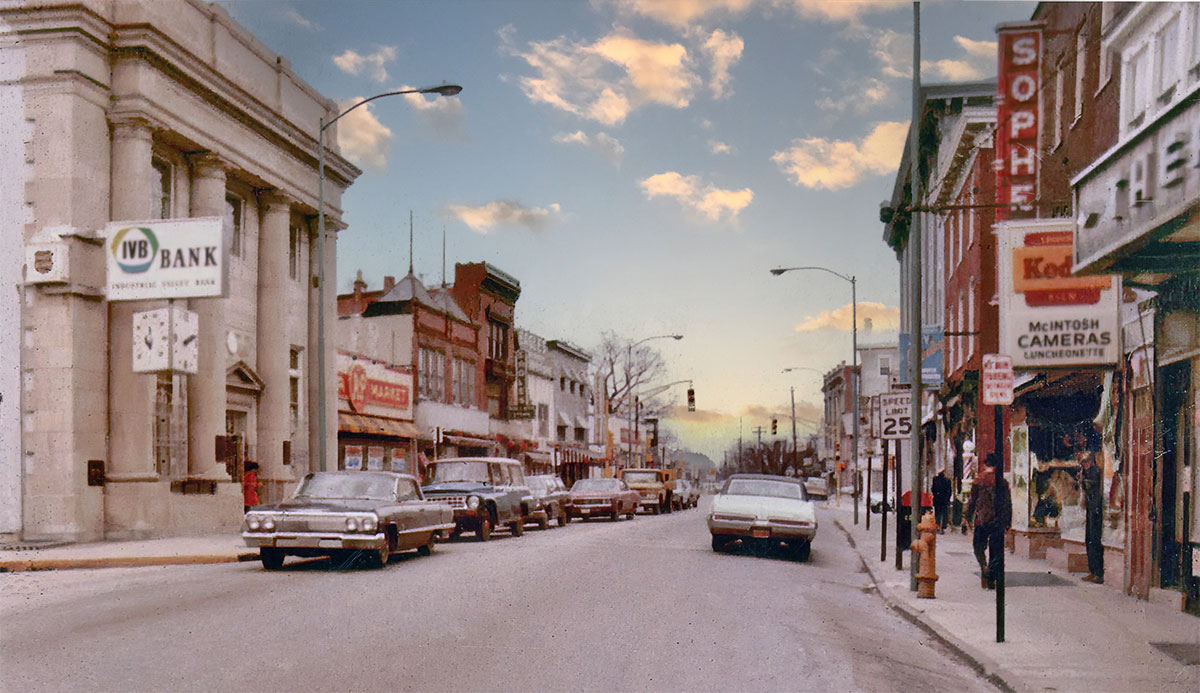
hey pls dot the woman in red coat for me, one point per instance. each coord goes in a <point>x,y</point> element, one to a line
<point>250,486</point>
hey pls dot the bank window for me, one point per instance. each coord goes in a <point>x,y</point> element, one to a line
<point>432,374</point>
<point>160,207</point>
<point>294,252</point>
<point>233,223</point>
<point>294,384</point>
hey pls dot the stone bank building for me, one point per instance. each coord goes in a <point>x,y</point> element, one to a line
<point>137,110</point>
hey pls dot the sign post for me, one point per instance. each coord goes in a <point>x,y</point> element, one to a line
<point>997,380</point>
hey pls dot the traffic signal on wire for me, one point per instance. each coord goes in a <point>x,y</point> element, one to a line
<point>691,399</point>
<point>774,426</point>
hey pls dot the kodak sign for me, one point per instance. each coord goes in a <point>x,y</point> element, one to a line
<point>1017,127</point>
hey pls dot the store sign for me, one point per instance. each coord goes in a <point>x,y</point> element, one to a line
<point>1049,318</point>
<point>932,355</point>
<point>997,379</point>
<point>165,258</point>
<point>895,415</point>
<point>369,387</point>
<point>1018,85</point>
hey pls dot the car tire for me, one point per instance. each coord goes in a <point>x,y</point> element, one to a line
<point>564,518</point>
<point>802,551</point>
<point>721,543</point>
<point>655,509</point>
<point>272,559</point>
<point>614,516</point>
<point>631,514</point>
<point>425,549</point>
<point>517,527</point>
<point>484,532</point>
<point>378,558</point>
<point>544,522</point>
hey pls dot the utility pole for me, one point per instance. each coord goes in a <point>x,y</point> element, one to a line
<point>739,443</point>
<point>758,451</point>
<point>795,445</point>
<point>914,301</point>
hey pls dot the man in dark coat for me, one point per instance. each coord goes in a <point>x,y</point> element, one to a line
<point>990,510</point>
<point>1092,482</point>
<point>941,499</point>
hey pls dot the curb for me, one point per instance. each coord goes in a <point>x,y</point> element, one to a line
<point>995,674</point>
<point>120,562</point>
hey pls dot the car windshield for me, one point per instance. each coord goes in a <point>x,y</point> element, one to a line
<point>763,487</point>
<point>347,486</point>
<point>459,471</point>
<point>589,485</point>
<point>536,484</point>
<point>641,477</point>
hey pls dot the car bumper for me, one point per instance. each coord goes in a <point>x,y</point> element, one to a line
<point>592,511</point>
<point>762,529</point>
<point>315,540</point>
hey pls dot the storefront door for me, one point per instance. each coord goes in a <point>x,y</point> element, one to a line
<point>1174,380</point>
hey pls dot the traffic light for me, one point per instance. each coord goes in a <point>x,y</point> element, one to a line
<point>774,426</point>
<point>691,399</point>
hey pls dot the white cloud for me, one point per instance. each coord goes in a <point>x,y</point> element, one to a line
<point>291,16</point>
<point>978,49</point>
<point>953,70</point>
<point>363,139</point>
<point>858,96</point>
<point>605,80</point>
<point>837,164</point>
<point>893,50</point>
<point>482,219</point>
<point>719,147</point>
<point>681,13</point>
<point>842,10</point>
<point>608,147</point>
<point>883,318</point>
<point>354,63</point>
<point>710,201</point>
<point>725,50</point>
<point>445,113</point>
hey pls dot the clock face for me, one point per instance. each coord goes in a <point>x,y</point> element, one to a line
<point>185,349</point>
<point>150,341</point>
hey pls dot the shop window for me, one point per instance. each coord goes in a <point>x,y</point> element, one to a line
<point>234,206</point>
<point>161,193</point>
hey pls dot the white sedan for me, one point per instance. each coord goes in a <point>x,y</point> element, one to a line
<point>763,509</point>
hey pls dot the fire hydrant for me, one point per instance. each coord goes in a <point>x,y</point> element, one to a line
<point>925,549</point>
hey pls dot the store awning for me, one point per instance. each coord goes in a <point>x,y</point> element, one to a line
<point>375,425</point>
<point>468,441</point>
<point>538,456</point>
<point>563,420</point>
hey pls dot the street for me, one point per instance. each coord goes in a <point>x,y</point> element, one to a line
<point>632,605</point>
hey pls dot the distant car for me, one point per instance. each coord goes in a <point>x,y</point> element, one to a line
<point>550,497</point>
<point>603,498</point>
<point>485,492</point>
<point>656,486</point>
<point>763,509</point>
<point>817,487</point>
<point>354,513</point>
<point>687,494</point>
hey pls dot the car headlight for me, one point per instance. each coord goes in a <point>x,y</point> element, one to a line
<point>253,524</point>
<point>473,502</point>
<point>369,523</point>
<point>268,524</point>
<point>351,524</point>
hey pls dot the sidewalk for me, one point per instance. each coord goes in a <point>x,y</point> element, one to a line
<point>1061,633</point>
<point>124,554</point>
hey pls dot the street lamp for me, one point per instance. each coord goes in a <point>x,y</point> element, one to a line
<point>440,90</point>
<point>629,367</point>
<point>854,360</point>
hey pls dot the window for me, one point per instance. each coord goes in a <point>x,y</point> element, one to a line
<point>1058,106</point>
<point>294,385</point>
<point>562,384</point>
<point>1136,86</point>
<point>543,416</point>
<point>294,252</point>
<point>432,374</point>
<point>1168,55</point>
<point>1080,68</point>
<point>497,341</point>
<point>562,432</point>
<point>160,205</point>
<point>971,316</point>
<point>885,365</point>
<point>580,434</point>
<point>464,382</point>
<point>233,224</point>
<point>164,406</point>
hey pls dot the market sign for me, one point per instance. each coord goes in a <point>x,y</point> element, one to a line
<point>895,415</point>
<point>997,379</point>
<point>1018,90</point>
<point>165,258</point>
<point>369,387</point>
<point>1049,318</point>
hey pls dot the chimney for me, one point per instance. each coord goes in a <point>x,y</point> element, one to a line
<point>359,285</point>
<point>388,283</point>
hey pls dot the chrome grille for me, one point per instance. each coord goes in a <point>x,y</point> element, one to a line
<point>456,502</point>
<point>310,523</point>
<point>593,502</point>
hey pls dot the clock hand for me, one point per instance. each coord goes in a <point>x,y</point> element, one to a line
<point>149,341</point>
<point>189,339</point>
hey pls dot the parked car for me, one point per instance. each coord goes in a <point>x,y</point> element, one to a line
<point>657,487</point>
<point>603,498</point>
<point>687,494</point>
<point>550,498</point>
<point>817,487</point>
<point>763,509</point>
<point>366,513</point>
<point>485,492</point>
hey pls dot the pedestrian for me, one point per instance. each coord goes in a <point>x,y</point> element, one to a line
<point>1092,482</point>
<point>250,486</point>
<point>990,510</point>
<point>941,500</point>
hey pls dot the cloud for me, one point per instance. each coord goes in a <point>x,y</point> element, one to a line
<point>719,147</point>
<point>681,13</point>
<point>883,318</point>
<point>978,49</point>
<point>725,50</point>
<point>363,139</point>
<point>445,113</point>
<point>710,201</point>
<point>608,147</point>
<point>484,218</point>
<point>354,63</point>
<point>953,70</point>
<point>291,16</point>
<point>893,50</point>
<point>843,10</point>
<point>606,80</point>
<point>858,96</point>
<point>837,164</point>
<point>700,416</point>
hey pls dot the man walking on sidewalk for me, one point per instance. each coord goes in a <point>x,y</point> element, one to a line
<point>1093,499</point>
<point>990,510</point>
<point>941,500</point>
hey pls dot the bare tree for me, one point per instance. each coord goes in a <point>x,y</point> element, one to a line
<point>623,377</point>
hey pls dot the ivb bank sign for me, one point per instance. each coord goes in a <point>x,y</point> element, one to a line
<point>165,258</point>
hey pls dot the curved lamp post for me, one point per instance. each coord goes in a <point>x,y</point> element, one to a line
<point>854,359</point>
<point>632,404</point>
<point>440,90</point>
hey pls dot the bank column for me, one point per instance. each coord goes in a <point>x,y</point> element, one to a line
<point>130,395</point>
<point>274,426</point>
<point>206,388</point>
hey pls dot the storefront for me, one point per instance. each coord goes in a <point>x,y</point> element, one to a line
<point>375,429</point>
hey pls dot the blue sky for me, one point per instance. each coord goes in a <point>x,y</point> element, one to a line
<point>639,165</point>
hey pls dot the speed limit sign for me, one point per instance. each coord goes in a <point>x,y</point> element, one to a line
<point>895,415</point>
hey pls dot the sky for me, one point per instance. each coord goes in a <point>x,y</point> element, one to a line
<point>640,165</point>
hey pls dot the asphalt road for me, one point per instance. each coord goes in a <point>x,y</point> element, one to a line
<point>636,605</point>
